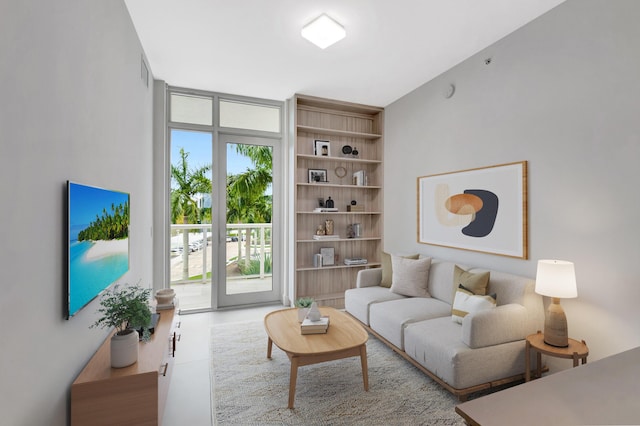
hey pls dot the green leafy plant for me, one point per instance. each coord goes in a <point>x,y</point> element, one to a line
<point>253,268</point>
<point>304,302</point>
<point>123,308</point>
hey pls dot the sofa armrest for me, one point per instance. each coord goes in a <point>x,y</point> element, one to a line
<point>369,277</point>
<point>505,323</point>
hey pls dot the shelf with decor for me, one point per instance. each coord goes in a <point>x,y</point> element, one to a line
<point>338,161</point>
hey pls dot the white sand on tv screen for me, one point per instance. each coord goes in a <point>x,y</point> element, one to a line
<point>104,248</point>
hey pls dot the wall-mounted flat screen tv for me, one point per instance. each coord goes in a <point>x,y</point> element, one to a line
<point>98,242</point>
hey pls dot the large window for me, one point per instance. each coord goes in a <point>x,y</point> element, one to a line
<point>223,194</point>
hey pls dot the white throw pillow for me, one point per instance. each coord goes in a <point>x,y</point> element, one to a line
<point>466,303</point>
<point>410,276</point>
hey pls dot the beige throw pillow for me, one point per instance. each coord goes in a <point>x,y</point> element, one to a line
<point>410,277</point>
<point>387,268</point>
<point>475,283</point>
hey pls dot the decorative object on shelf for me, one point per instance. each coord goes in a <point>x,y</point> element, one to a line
<point>318,176</point>
<point>351,261</point>
<point>359,178</point>
<point>328,227</point>
<point>317,260</point>
<point>320,230</point>
<point>556,279</point>
<point>350,232</point>
<point>320,202</point>
<point>459,209</point>
<point>329,203</point>
<point>354,207</point>
<point>340,171</point>
<point>322,148</point>
<point>303,304</point>
<point>165,296</point>
<point>314,312</point>
<point>354,152</point>
<point>347,150</point>
<point>328,256</point>
<point>127,309</point>
<point>326,237</point>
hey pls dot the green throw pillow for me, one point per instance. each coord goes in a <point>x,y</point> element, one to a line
<point>475,283</point>
<point>387,269</point>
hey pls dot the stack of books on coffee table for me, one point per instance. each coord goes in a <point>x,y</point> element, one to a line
<point>314,327</point>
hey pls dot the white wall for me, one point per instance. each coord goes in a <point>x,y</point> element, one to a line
<point>562,93</point>
<point>73,106</point>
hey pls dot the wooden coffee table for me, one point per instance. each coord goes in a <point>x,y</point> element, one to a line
<point>345,338</point>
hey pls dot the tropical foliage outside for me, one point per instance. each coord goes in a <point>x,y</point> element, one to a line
<point>112,225</point>
<point>248,200</point>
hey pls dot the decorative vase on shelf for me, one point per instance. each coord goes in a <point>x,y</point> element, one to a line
<point>328,227</point>
<point>329,203</point>
<point>124,349</point>
<point>314,312</point>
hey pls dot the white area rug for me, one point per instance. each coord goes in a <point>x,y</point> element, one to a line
<point>249,389</point>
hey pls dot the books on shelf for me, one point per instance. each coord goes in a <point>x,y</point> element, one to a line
<point>355,208</point>
<point>326,237</point>
<point>325,209</point>
<point>314,327</point>
<point>355,261</point>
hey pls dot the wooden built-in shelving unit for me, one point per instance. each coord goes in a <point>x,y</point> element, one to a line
<point>340,123</point>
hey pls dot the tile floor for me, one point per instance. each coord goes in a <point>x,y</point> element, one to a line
<point>189,399</point>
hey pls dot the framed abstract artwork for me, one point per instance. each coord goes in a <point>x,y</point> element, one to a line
<point>482,209</point>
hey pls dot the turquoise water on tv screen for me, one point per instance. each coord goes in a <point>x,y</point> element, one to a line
<point>87,278</point>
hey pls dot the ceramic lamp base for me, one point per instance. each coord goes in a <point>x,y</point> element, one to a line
<point>555,325</point>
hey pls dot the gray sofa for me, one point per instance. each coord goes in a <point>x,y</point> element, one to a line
<point>485,350</point>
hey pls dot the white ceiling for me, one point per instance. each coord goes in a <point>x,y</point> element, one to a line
<point>254,47</point>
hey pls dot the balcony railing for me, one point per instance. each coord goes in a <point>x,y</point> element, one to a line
<point>246,244</point>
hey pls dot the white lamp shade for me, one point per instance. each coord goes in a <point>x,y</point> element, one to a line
<point>556,278</point>
<point>323,31</point>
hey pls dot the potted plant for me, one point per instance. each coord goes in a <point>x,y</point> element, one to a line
<point>303,304</point>
<point>127,309</point>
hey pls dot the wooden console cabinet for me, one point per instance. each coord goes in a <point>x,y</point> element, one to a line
<point>102,395</point>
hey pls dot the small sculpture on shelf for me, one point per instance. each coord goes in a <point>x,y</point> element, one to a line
<point>320,230</point>
<point>328,227</point>
<point>329,203</point>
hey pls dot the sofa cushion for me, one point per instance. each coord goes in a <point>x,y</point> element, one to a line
<point>389,318</point>
<point>436,345</point>
<point>466,303</point>
<point>387,268</point>
<point>410,277</point>
<point>357,301</point>
<point>441,280</point>
<point>506,323</point>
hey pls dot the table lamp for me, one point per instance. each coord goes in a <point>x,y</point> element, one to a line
<point>556,279</point>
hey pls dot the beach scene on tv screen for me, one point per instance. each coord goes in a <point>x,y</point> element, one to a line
<point>98,241</point>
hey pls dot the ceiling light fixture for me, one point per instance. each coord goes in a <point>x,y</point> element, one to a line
<point>323,31</point>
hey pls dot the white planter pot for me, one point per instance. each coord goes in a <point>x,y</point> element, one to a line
<point>124,349</point>
<point>302,313</point>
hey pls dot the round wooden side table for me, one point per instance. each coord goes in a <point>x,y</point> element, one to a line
<point>575,351</point>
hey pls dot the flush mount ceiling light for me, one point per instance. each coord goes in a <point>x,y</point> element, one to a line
<point>323,31</point>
